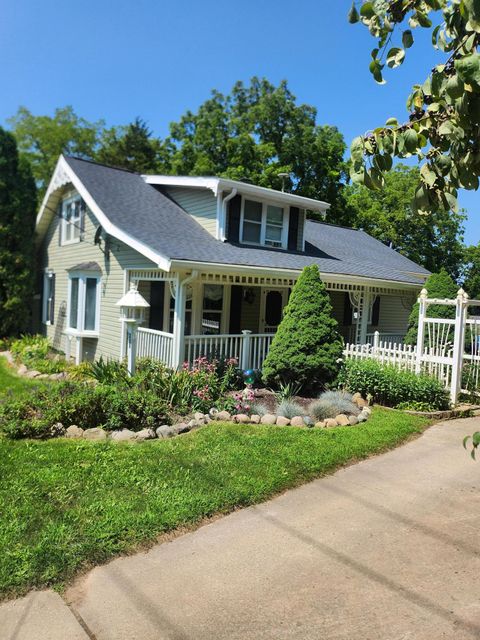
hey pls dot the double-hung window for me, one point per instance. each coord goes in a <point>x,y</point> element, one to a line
<point>84,303</point>
<point>48,307</point>
<point>264,223</point>
<point>72,214</point>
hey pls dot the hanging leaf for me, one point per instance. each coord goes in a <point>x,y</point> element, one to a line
<point>407,39</point>
<point>395,57</point>
<point>353,14</point>
<point>367,10</point>
<point>455,87</point>
<point>410,140</point>
<point>428,175</point>
<point>468,68</point>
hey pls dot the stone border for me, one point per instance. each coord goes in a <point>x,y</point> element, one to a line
<point>22,370</point>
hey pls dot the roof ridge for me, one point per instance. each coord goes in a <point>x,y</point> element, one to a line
<point>102,164</point>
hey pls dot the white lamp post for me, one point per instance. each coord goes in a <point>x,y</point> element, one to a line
<point>132,313</point>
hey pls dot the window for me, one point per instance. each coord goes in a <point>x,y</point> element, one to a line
<point>264,224</point>
<point>84,303</point>
<point>212,309</point>
<point>73,211</point>
<point>48,298</point>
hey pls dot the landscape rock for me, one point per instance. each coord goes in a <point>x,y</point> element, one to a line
<point>356,396</point>
<point>199,416</point>
<point>361,403</point>
<point>43,376</point>
<point>330,422</point>
<point>321,424</point>
<point>297,421</point>
<point>342,420</point>
<point>32,374</point>
<point>58,376</point>
<point>213,413</point>
<point>268,418</point>
<point>367,410</point>
<point>196,424</point>
<point>308,422</point>
<point>123,435</point>
<point>207,419</point>
<point>362,417</point>
<point>22,370</point>
<point>74,432</point>
<point>353,420</point>
<point>241,418</point>
<point>225,416</point>
<point>95,434</point>
<point>255,419</point>
<point>145,434</point>
<point>165,431</point>
<point>181,427</point>
<point>282,421</point>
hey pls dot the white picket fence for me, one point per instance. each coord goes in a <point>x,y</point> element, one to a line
<point>448,349</point>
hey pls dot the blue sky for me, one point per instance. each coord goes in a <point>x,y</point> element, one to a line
<point>118,60</point>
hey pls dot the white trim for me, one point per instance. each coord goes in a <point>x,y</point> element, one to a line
<point>66,173</point>
<point>216,185</point>
<point>48,276</point>
<point>80,330</point>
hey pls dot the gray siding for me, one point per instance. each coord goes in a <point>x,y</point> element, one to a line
<point>60,258</point>
<point>201,204</point>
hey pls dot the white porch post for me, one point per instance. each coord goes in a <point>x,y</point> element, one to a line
<point>422,312</point>
<point>458,344</point>
<point>178,324</point>
<point>363,307</point>
<point>245,362</point>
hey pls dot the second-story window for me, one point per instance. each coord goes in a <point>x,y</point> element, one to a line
<point>73,211</point>
<point>263,223</point>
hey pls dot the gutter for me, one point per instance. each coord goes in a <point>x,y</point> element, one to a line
<point>223,215</point>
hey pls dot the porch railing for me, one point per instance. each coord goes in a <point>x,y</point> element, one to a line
<point>155,344</point>
<point>249,349</point>
<point>386,338</point>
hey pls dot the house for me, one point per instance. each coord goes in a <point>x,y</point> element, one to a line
<point>215,258</point>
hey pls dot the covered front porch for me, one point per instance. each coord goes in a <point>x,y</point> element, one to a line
<point>235,315</point>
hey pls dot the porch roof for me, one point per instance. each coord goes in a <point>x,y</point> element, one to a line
<point>141,212</point>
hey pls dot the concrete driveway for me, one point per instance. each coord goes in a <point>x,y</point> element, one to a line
<point>385,549</point>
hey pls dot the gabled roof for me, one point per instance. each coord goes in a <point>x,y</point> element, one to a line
<point>136,212</point>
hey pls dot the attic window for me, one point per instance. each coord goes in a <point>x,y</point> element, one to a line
<point>72,219</point>
<point>263,223</point>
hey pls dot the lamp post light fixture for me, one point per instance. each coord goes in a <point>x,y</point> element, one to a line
<point>132,313</point>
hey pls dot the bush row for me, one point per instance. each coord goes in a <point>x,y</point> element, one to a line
<point>390,386</point>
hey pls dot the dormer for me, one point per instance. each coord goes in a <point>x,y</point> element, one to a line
<point>242,213</point>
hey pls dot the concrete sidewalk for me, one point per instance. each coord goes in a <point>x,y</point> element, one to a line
<point>385,549</point>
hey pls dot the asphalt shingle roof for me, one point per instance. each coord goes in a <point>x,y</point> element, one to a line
<point>150,217</point>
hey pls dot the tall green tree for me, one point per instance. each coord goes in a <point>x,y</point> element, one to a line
<point>439,285</point>
<point>255,133</point>
<point>17,223</point>
<point>433,240</point>
<point>131,147</point>
<point>43,138</point>
<point>307,347</point>
<point>443,128</point>
<point>471,273</point>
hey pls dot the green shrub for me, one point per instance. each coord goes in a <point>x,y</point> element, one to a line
<point>35,352</point>
<point>332,403</point>
<point>82,404</point>
<point>390,386</point>
<point>438,285</point>
<point>110,372</point>
<point>415,406</point>
<point>307,347</point>
<point>289,409</point>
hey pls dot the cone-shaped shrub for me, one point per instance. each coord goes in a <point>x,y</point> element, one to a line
<point>307,346</point>
<point>438,285</point>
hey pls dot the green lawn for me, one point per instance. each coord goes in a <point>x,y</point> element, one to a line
<point>11,384</point>
<point>66,505</point>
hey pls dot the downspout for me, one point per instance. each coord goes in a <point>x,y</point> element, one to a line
<point>231,195</point>
<point>179,325</point>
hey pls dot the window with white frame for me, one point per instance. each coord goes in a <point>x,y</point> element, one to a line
<point>264,223</point>
<point>83,311</point>
<point>48,307</point>
<point>72,214</point>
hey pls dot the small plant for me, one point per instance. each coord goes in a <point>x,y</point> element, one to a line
<point>259,409</point>
<point>289,409</point>
<point>35,352</point>
<point>107,371</point>
<point>287,391</point>
<point>333,403</point>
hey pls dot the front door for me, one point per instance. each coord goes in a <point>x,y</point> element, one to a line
<point>273,301</point>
